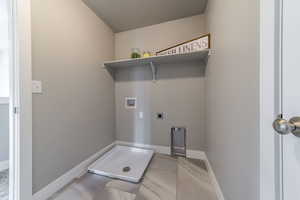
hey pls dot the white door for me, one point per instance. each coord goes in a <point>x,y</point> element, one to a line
<point>290,98</point>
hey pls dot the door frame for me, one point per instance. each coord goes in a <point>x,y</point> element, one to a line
<point>21,122</point>
<point>270,148</point>
<point>20,101</point>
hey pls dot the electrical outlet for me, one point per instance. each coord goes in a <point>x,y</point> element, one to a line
<point>160,115</point>
<point>37,87</point>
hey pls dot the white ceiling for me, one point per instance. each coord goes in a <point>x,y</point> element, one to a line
<point>122,15</point>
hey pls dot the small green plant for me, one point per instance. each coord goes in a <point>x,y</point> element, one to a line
<point>135,55</point>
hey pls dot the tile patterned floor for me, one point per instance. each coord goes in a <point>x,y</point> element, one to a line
<point>166,178</point>
<point>4,185</point>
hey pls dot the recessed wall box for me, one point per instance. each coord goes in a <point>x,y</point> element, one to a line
<point>130,102</point>
<point>178,141</point>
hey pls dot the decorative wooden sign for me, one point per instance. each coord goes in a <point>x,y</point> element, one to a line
<point>196,44</point>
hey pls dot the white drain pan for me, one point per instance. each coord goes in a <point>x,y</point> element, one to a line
<point>123,162</point>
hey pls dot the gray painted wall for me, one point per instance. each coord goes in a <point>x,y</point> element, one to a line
<point>232,97</point>
<point>179,91</point>
<point>74,117</point>
<point>4,132</point>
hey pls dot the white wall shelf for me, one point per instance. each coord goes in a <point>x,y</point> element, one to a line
<point>154,61</point>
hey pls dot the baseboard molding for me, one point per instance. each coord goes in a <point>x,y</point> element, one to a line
<point>195,154</point>
<point>156,148</point>
<point>68,177</point>
<point>214,180</point>
<point>4,165</point>
<point>163,149</point>
<point>4,100</point>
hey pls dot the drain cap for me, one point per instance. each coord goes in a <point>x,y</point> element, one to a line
<point>126,169</point>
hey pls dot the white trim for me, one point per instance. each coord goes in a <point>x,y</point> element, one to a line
<point>4,100</point>
<point>267,99</point>
<point>195,154</point>
<point>163,149</point>
<point>213,179</point>
<point>20,173</point>
<point>4,165</point>
<point>156,148</point>
<point>68,177</point>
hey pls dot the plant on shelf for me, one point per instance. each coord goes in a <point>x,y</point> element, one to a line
<point>135,53</point>
<point>147,54</point>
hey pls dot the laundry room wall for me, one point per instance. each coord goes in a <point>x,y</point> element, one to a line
<point>178,92</point>
<point>4,84</point>
<point>73,118</point>
<point>232,97</point>
<point>4,132</point>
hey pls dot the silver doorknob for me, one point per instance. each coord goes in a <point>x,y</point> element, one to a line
<point>284,127</point>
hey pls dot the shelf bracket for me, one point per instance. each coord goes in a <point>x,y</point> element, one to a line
<point>154,71</point>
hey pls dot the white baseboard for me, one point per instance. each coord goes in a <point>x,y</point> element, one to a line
<point>214,180</point>
<point>156,148</point>
<point>68,177</point>
<point>163,149</point>
<point>195,154</point>
<point>4,165</point>
<point>4,100</point>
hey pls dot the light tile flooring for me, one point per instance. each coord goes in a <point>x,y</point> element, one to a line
<point>166,178</point>
<point>4,185</point>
